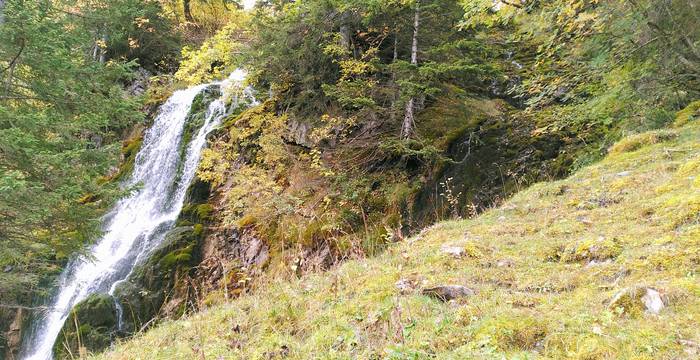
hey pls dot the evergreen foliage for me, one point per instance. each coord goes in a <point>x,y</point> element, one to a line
<point>63,110</point>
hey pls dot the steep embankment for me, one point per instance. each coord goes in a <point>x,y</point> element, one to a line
<point>563,269</point>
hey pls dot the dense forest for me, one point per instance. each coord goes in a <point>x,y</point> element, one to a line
<point>366,122</point>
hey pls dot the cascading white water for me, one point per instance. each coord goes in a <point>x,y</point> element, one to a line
<point>137,223</point>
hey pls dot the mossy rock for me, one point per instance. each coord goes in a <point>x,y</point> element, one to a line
<point>152,283</point>
<point>129,150</point>
<point>198,113</point>
<point>587,251</point>
<point>198,192</point>
<point>92,325</point>
<point>490,160</point>
<point>195,214</point>
<point>636,300</point>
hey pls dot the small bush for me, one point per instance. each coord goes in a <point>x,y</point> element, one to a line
<point>513,332</point>
<point>690,113</point>
<point>636,142</point>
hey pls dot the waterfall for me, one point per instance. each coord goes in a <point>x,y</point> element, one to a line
<point>137,223</point>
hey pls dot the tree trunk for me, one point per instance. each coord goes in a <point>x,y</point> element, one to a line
<point>11,69</point>
<point>187,11</point>
<point>103,52</point>
<point>345,30</point>
<point>396,46</point>
<point>8,81</point>
<point>409,119</point>
<point>397,92</point>
<point>414,42</point>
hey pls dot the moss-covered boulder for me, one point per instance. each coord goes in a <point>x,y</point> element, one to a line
<point>158,280</point>
<point>91,326</point>
<point>197,116</point>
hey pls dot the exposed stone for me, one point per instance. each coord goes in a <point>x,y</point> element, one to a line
<point>448,292</point>
<point>320,258</point>
<point>13,336</point>
<point>584,220</point>
<point>256,253</point>
<point>691,348</point>
<point>505,263</point>
<point>139,85</point>
<point>298,133</point>
<point>634,300</point>
<point>594,263</point>
<point>456,251</point>
<point>652,301</point>
<point>561,94</point>
<point>405,286</point>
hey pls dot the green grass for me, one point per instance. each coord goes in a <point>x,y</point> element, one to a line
<point>565,249</point>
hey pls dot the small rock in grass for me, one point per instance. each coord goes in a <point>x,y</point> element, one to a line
<point>652,301</point>
<point>594,263</point>
<point>584,220</point>
<point>623,173</point>
<point>505,263</point>
<point>597,330</point>
<point>448,292</point>
<point>456,251</point>
<point>406,286</point>
<point>634,299</point>
<point>690,347</point>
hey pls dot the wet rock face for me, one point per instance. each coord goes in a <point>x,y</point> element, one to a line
<point>160,279</point>
<point>504,140</point>
<point>91,326</point>
<point>11,326</point>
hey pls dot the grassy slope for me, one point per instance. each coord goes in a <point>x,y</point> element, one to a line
<point>640,207</point>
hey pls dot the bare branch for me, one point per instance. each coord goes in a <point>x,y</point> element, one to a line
<point>14,60</point>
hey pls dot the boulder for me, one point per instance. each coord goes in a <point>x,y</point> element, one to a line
<point>405,286</point>
<point>448,292</point>
<point>505,263</point>
<point>91,326</point>
<point>456,251</point>
<point>635,300</point>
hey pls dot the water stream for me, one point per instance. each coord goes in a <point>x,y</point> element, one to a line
<point>137,223</point>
